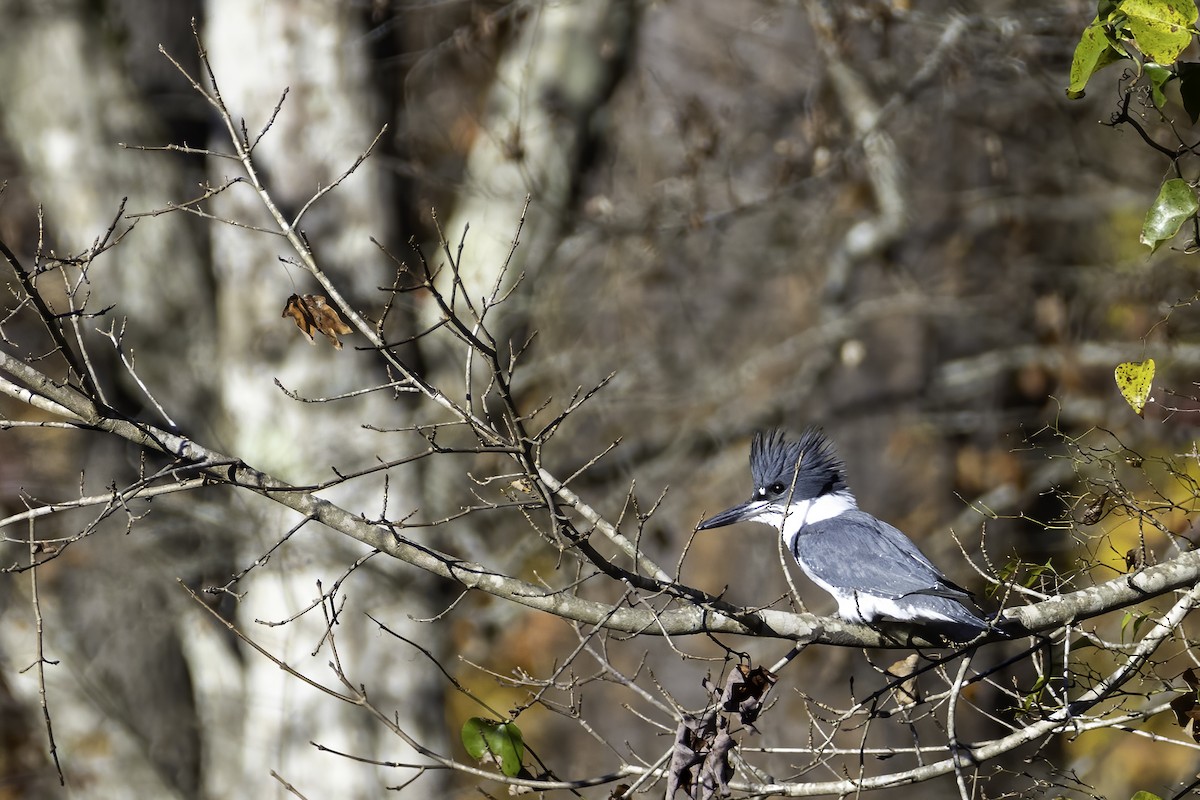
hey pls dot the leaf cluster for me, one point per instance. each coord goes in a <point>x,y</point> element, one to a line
<point>1150,36</point>
<point>1158,30</point>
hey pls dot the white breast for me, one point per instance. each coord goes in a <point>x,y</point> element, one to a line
<point>789,520</point>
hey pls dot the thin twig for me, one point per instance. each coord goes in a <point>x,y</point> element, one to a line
<point>40,642</point>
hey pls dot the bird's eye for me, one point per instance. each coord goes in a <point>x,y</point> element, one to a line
<point>778,487</point>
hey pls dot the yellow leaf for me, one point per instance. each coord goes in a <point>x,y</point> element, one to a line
<point>1134,379</point>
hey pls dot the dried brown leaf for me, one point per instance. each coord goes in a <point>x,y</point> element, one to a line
<point>906,690</point>
<point>312,313</point>
<point>1135,559</point>
<point>1185,706</point>
<point>744,691</point>
<point>1095,510</point>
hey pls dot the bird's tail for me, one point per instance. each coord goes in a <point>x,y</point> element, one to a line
<point>1008,627</point>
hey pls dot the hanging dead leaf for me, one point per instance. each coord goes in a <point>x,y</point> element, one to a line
<point>312,313</point>
<point>1094,512</point>
<point>744,691</point>
<point>1138,557</point>
<point>906,688</point>
<point>520,486</point>
<point>1187,710</point>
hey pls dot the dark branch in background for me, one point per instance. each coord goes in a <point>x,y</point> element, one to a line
<point>882,162</point>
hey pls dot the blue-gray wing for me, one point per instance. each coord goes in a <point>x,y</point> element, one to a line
<point>856,552</point>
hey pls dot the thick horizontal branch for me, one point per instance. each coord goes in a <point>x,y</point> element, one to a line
<point>699,613</point>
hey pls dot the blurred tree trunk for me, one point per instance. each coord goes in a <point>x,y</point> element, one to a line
<point>112,613</point>
<point>312,49</point>
<point>555,74</point>
<point>208,340</point>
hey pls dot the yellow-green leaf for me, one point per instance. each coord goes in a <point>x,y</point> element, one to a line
<point>1159,77</point>
<point>1176,204</point>
<point>1134,379</point>
<point>1094,52</point>
<point>1161,28</point>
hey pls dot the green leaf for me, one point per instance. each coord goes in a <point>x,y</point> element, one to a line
<point>1035,573</point>
<point>1175,204</point>
<point>1134,379</point>
<point>1189,88</point>
<point>1161,28</point>
<point>500,740</point>
<point>1126,618</point>
<point>1143,795</point>
<point>1137,619</point>
<point>1035,692</point>
<point>1094,52</point>
<point>472,737</point>
<point>1158,75</point>
<point>505,741</point>
<point>1003,577</point>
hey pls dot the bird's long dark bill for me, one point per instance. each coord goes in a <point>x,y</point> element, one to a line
<point>728,517</point>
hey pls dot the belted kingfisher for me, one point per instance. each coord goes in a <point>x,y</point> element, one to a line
<point>873,570</point>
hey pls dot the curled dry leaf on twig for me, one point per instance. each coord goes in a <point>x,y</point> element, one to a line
<point>312,313</point>
<point>906,689</point>
<point>1094,512</point>
<point>1138,557</point>
<point>1186,707</point>
<point>744,691</point>
<point>700,762</point>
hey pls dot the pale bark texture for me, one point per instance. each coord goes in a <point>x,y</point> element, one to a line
<point>208,338</point>
<point>328,120</point>
<point>534,126</point>
<point>113,616</point>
